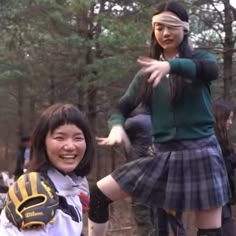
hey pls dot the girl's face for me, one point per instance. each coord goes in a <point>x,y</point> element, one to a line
<point>66,147</point>
<point>168,37</point>
<point>229,121</point>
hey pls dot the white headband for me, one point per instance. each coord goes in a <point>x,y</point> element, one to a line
<point>167,19</point>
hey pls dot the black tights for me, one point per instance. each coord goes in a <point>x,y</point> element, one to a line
<point>99,206</point>
<point>210,232</point>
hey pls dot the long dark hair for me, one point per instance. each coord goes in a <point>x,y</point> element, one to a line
<point>49,120</point>
<point>221,110</point>
<point>176,85</point>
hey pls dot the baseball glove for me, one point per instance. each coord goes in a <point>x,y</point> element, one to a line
<point>31,202</point>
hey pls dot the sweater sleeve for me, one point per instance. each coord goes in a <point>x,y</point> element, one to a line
<point>203,66</point>
<point>127,102</point>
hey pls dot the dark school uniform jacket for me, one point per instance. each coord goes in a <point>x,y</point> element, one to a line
<point>189,119</point>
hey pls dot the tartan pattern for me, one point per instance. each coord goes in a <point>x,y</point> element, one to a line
<point>184,175</point>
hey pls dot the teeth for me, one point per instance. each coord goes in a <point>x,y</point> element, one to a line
<point>68,157</point>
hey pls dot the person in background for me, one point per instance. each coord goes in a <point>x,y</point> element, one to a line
<point>138,130</point>
<point>223,112</point>
<point>22,156</point>
<point>175,81</point>
<point>149,221</point>
<point>26,158</point>
<point>62,151</point>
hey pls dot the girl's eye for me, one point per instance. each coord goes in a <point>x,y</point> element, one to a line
<point>59,138</point>
<point>79,138</point>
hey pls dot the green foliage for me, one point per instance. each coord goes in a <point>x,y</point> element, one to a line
<point>59,49</point>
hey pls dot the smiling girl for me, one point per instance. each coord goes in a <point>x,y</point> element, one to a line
<point>62,149</point>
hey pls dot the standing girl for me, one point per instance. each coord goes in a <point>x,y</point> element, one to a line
<point>189,171</point>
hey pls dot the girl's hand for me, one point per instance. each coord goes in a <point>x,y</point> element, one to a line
<point>156,69</point>
<point>117,136</point>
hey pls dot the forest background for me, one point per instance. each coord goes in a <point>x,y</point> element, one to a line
<point>84,52</point>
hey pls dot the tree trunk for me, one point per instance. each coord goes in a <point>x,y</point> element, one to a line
<point>20,105</point>
<point>51,85</point>
<point>228,50</point>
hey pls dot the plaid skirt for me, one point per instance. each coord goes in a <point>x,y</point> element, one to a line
<point>184,175</point>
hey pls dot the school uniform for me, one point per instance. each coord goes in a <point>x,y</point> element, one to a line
<point>188,173</point>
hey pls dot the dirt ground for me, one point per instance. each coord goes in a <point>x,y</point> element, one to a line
<point>121,221</point>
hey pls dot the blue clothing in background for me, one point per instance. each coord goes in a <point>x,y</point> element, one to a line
<point>138,129</point>
<point>27,154</point>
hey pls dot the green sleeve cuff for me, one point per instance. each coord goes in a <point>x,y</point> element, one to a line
<point>115,119</point>
<point>183,67</point>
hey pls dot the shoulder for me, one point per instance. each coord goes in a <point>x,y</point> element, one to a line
<point>139,76</point>
<point>202,54</point>
<point>83,185</point>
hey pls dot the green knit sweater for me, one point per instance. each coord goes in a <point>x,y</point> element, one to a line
<point>191,118</point>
